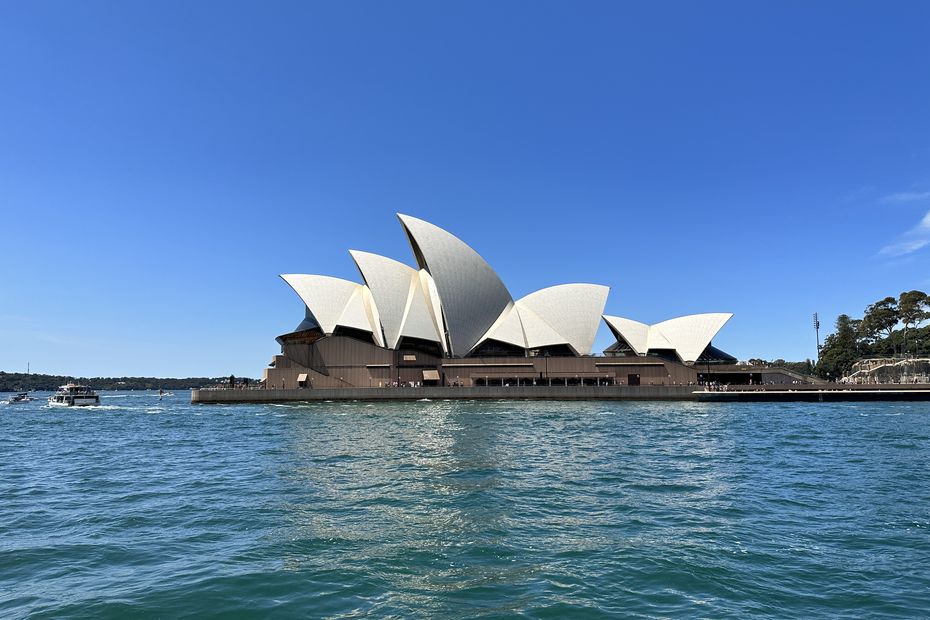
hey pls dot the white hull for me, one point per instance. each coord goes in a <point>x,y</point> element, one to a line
<point>78,402</point>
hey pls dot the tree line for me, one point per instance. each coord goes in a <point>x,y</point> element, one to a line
<point>805,368</point>
<point>22,382</point>
<point>889,327</point>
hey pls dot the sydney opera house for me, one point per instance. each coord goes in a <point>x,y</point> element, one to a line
<point>450,320</point>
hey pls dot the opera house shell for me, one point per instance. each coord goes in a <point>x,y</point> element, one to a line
<point>687,338</point>
<point>450,320</point>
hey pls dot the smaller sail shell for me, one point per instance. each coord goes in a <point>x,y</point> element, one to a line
<point>571,310</point>
<point>691,334</point>
<point>688,335</point>
<point>400,298</point>
<point>634,333</point>
<point>335,302</point>
<point>507,328</point>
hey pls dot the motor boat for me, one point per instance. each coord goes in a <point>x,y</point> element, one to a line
<point>74,395</point>
<point>20,397</point>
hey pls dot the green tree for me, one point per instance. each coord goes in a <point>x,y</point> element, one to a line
<point>880,319</point>
<point>861,345</point>
<point>840,349</point>
<point>913,309</point>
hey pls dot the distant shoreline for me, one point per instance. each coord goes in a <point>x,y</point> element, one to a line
<point>22,382</point>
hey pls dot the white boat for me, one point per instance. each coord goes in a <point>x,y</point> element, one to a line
<point>21,397</point>
<point>73,395</point>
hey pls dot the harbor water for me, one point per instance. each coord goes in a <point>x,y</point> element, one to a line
<point>158,508</point>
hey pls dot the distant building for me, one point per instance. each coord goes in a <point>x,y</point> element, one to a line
<point>451,321</point>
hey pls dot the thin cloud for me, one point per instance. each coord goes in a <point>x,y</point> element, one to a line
<point>903,247</point>
<point>911,241</point>
<point>906,197</point>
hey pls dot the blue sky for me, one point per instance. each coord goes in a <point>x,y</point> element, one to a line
<point>161,163</point>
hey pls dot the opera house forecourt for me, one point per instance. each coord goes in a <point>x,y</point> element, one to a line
<point>450,328</point>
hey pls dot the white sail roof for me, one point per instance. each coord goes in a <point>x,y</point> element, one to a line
<point>419,318</point>
<point>434,306</point>
<point>538,332</point>
<point>688,335</point>
<point>401,300</point>
<point>455,298</point>
<point>471,294</point>
<point>336,302</point>
<point>658,340</point>
<point>571,310</point>
<point>508,328</point>
<point>635,334</point>
<point>389,281</point>
<point>691,334</point>
<point>565,314</point>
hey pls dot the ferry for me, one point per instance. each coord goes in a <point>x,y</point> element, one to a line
<point>73,395</point>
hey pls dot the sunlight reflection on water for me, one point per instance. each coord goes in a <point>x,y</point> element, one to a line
<point>451,508</point>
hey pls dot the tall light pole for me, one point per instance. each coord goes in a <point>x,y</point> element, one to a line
<point>817,331</point>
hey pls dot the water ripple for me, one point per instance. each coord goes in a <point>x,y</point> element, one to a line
<point>464,509</point>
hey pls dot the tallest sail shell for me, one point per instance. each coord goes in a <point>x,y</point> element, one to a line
<point>471,294</point>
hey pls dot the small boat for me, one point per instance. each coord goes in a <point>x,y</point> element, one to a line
<point>74,395</point>
<point>163,394</point>
<point>21,397</point>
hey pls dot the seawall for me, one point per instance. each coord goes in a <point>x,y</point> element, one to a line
<point>588,392</point>
<point>800,393</point>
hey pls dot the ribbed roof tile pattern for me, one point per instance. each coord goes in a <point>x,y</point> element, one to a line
<point>471,294</point>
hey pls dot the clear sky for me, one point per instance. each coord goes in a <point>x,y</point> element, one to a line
<point>162,162</point>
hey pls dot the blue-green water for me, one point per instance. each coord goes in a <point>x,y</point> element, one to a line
<point>148,508</point>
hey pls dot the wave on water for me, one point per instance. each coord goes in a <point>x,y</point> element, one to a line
<point>458,509</point>
<point>87,407</point>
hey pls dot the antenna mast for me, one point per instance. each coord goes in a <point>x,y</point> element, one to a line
<point>817,331</point>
